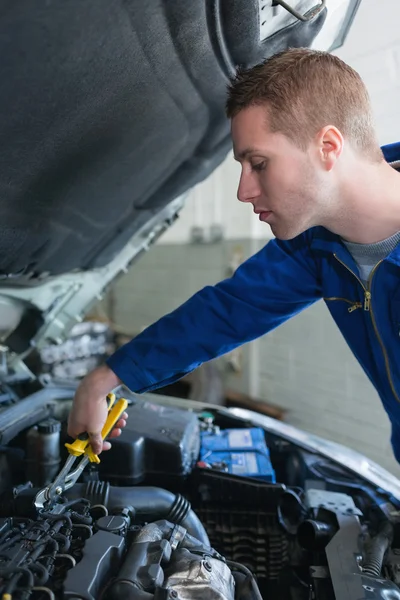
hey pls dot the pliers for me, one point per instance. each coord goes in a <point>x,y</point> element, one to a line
<point>81,446</point>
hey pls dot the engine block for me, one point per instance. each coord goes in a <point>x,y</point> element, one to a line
<point>81,550</point>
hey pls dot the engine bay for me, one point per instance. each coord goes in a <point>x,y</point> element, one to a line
<point>186,505</point>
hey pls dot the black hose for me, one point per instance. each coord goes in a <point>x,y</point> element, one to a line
<point>13,570</point>
<point>150,503</point>
<point>42,575</point>
<point>372,565</point>
<point>52,517</point>
<point>75,501</point>
<point>10,542</point>
<point>66,543</point>
<point>315,535</point>
<point>52,545</point>
<point>8,533</point>
<point>291,511</point>
<point>81,519</point>
<point>39,547</point>
<point>12,584</point>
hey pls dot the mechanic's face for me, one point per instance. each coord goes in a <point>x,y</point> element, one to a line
<point>281,181</point>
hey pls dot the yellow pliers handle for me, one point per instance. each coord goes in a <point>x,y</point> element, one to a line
<point>82,444</point>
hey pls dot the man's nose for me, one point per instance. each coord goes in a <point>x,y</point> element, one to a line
<point>248,188</point>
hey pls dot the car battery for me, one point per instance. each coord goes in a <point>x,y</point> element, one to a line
<point>237,451</point>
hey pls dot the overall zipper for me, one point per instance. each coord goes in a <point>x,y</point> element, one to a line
<point>368,308</point>
<point>352,308</point>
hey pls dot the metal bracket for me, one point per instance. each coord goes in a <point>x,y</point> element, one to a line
<point>310,14</point>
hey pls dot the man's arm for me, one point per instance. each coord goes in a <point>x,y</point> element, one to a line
<point>266,290</point>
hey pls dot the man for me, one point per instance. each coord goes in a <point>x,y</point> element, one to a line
<point>313,170</point>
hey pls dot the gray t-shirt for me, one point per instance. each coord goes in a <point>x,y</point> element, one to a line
<point>367,255</point>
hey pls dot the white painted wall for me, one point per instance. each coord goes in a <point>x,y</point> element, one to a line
<point>373,49</point>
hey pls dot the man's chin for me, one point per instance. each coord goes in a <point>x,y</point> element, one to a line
<point>285,232</point>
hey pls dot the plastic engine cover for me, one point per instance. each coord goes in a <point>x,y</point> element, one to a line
<point>238,451</point>
<point>158,442</point>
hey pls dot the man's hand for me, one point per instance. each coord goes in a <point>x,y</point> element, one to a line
<point>89,408</point>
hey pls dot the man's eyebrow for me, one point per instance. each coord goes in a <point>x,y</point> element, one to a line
<point>244,153</point>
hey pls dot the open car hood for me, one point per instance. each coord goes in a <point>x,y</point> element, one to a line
<point>111,112</point>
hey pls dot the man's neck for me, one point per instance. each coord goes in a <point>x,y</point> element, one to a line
<point>370,209</point>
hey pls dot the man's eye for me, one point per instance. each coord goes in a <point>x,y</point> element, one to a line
<point>259,166</point>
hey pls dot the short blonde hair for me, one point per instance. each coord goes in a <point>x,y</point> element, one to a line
<point>304,90</point>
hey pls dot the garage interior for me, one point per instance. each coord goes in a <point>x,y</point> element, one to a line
<point>265,474</point>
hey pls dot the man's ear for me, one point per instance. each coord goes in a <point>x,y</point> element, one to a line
<point>330,145</point>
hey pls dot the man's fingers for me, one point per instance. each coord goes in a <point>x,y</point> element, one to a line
<point>96,442</point>
<point>117,428</point>
<point>77,425</point>
<point>115,433</point>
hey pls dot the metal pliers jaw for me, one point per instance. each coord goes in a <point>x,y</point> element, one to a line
<point>68,475</point>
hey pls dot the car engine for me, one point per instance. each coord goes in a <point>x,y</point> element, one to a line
<point>74,553</point>
<point>187,505</point>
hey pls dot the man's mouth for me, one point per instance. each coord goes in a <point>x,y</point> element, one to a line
<point>263,215</point>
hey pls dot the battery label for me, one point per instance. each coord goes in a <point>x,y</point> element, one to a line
<point>244,463</point>
<point>240,438</point>
<point>243,452</point>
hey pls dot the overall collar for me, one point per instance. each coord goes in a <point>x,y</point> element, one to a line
<point>330,243</point>
<point>391,152</point>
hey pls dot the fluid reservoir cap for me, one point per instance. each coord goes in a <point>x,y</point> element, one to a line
<point>49,426</point>
<point>112,523</point>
